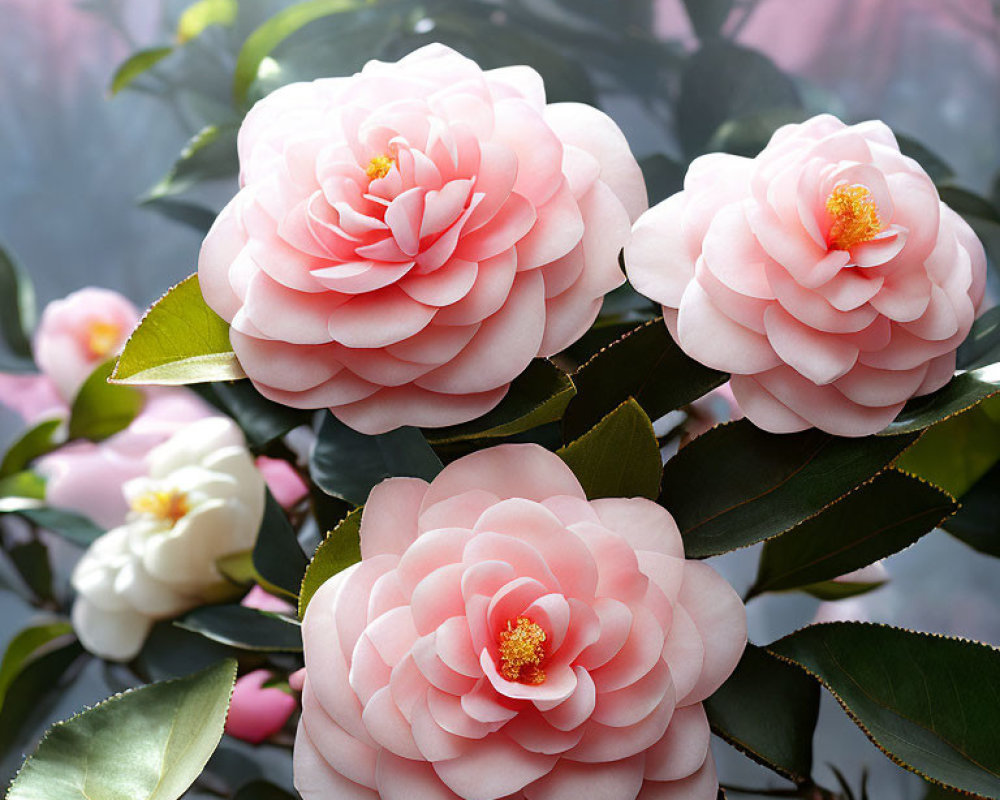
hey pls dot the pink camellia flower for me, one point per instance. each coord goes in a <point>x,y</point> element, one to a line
<point>407,239</point>
<point>284,482</point>
<point>256,713</point>
<point>825,274</point>
<point>262,600</point>
<point>79,332</point>
<point>502,637</point>
<point>33,397</point>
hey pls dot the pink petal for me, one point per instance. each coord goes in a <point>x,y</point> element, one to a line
<point>223,242</point>
<point>445,286</point>
<point>510,224</point>
<point>410,405</point>
<point>495,768</point>
<point>352,758</point>
<point>571,780</point>
<point>286,366</point>
<point>703,785</point>
<point>763,408</point>
<point>292,316</point>
<point>601,744</point>
<point>530,730</point>
<point>315,779</point>
<point>683,748</point>
<point>389,520</point>
<point>438,597</point>
<point>558,230</point>
<point>487,295</point>
<point>388,727</point>
<point>462,510</point>
<point>361,277</point>
<point>637,657</point>
<point>405,779</point>
<point>642,523</point>
<point>378,319</point>
<point>615,620</point>
<point>819,356</point>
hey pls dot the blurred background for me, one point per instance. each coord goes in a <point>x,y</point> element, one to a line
<point>89,193</point>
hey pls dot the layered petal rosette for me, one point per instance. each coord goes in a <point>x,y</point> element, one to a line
<point>202,499</point>
<point>825,274</point>
<point>407,239</point>
<point>502,637</point>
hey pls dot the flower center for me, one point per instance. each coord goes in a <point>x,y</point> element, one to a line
<point>855,217</point>
<point>102,337</point>
<point>166,506</point>
<point>521,652</point>
<point>378,167</point>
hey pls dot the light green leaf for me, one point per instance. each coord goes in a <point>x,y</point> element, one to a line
<point>202,14</point>
<point>618,457</point>
<point>35,442</point>
<point>21,486</point>
<point>149,743</point>
<point>135,65</point>
<point>24,647</point>
<point>180,340</point>
<point>101,409</point>
<point>536,397</point>
<point>841,590</point>
<point>262,41</point>
<point>928,702</point>
<point>17,307</point>
<point>339,550</point>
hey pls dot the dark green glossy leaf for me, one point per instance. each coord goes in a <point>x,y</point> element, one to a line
<point>17,307</point>
<point>245,628</point>
<point>929,702</point>
<point>982,346</point>
<point>664,177</point>
<point>537,396</point>
<point>955,453</point>
<point>768,710</point>
<point>101,409</point>
<point>841,590</point>
<point>27,690</point>
<point>190,214</point>
<point>277,556</point>
<point>723,81</point>
<point>347,464</point>
<point>977,522</point>
<point>264,39</point>
<point>180,340</point>
<point>24,648</point>
<point>339,550</point>
<point>968,203</point>
<point>137,64</point>
<point>618,457</point>
<point>210,154</point>
<point>202,14</point>
<point>747,136</point>
<point>68,524</point>
<point>149,743</point>
<point>261,790</point>
<point>933,164</point>
<point>707,16</point>
<point>876,520</point>
<point>736,485</point>
<point>32,561</point>
<point>645,364</point>
<point>36,442</point>
<point>262,420</point>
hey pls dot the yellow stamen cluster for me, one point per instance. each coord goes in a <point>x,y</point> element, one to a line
<point>855,217</point>
<point>378,167</point>
<point>102,338</point>
<point>166,506</point>
<point>521,652</point>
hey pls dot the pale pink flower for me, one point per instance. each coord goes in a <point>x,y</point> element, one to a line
<point>33,397</point>
<point>502,637</point>
<point>256,713</point>
<point>407,239</point>
<point>79,332</point>
<point>264,601</point>
<point>284,482</point>
<point>825,274</point>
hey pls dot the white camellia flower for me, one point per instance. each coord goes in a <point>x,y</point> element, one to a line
<point>202,499</point>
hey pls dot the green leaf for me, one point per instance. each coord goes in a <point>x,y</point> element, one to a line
<point>340,549</point>
<point>968,203</point>
<point>202,14</point>
<point>539,395</point>
<point>190,214</point>
<point>23,490</point>
<point>68,524</point>
<point>210,154</point>
<point>101,409</point>
<point>747,136</point>
<point>768,710</point>
<point>618,457</point>
<point>17,307</point>
<point>933,164</point>
<point>137,64</point>
<point>736,485</point>
<point>238,568</point>
<point>245,628</point>
<point>36,442</point>
<point>277,556</point>
<point>707,16</point>
<point>262,420</point>
<point>347,464</point>
<point>149,743</point>
<point>264,39</point>
<point>961,392</point>
<point>32,562</point>
<point>645,364</point>
<point>664,176</point>
<point>180,340</point>
<point>28,689</point>
<point>261,790</point>
<point>724,81</point>
<point>982,346</point>
<point>24,648</point>
<point>977,522</point>
<point>928,702</point>
<point>841,590</point>
<point>876,520</point>
<point>955,453</point>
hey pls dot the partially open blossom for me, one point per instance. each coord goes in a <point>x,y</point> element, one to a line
<point>201,499</point>
<point>265,601</point>
<point>87,477</point>
<point>257,713</point>
<point>283,481</point>
<point>825,274</point>
<point>79,332</point>
<point>504,637</point>
<point>407,239</point>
